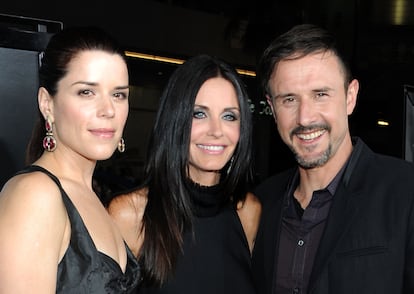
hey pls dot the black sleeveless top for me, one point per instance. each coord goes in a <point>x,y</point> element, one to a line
<point>83,268</point>
<point>216,256</point>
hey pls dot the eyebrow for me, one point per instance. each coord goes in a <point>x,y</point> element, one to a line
<point>225,109</point>
<point>95,84</point>
<point>323,89</point>
<point>122,87</point>
<point>282,95</point>
<point>279,96</point>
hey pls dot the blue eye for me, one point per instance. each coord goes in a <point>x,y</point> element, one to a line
<point>230,116</point>
<point>198,114</point>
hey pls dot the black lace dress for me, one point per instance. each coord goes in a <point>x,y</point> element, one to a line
<point>83,269</point>
<point>216,257</point>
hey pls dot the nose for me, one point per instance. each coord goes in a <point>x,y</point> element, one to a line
<point>306,112</point>
<point>215,128</point>
<point>106,107</point>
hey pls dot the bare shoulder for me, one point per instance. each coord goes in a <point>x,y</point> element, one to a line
<point>31,191</point>
<point>127,211</point>
<point>34,199</point>
<point>251,206</point>
<point>128,204</point>
<point>249,212</point>
<point>31,212</point>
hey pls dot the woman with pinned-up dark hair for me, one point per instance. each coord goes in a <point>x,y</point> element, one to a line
<point>193,222</point>
<point>55,234</point>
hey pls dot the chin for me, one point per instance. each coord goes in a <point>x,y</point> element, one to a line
<point>103,155</point>
<point>212,169</point>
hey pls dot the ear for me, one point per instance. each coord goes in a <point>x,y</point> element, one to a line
<point>351,96</point>
<point>270,102</point>
<point>45,103</point>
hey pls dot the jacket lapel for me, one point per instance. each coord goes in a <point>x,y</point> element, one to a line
<point>344,209</point>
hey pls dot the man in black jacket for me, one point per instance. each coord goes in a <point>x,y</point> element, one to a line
<point>342,221</point>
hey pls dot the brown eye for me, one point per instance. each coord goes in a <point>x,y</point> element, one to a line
<point>85,93</point>
<point>121,95</point>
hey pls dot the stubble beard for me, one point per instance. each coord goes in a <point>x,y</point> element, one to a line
<point>313,162</point>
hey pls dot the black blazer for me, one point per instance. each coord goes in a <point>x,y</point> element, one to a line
<point>368,243</point>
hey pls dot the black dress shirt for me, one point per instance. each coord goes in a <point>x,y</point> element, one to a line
<point>300,235</point>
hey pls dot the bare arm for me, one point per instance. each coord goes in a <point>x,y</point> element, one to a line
<point>33,221</point>
<point>127,211</point>
<point>249,213</point>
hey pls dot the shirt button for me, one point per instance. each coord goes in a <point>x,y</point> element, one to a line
<point>296,291</point>
<point>301,242</point>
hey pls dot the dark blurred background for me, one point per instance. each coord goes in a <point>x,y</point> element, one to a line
<point>376,35</point>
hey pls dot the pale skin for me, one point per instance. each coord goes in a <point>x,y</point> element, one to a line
<point>214,137</point>
<point>310,92</point>
<point>88,113</point>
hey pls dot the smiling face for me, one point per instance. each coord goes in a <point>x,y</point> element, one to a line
<point>311,108</point>
<point>215,130</point>
<point>90,107</point>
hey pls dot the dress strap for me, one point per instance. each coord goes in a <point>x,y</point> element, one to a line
<point>33,168</point>
<point>65,197</point>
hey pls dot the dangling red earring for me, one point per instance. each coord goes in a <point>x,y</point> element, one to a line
<point>49,142</point>
<point>121,145</point>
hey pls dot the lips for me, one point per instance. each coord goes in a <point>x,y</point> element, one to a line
<point>103,133</point>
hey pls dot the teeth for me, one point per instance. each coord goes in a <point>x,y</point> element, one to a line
<point>211,147</point>
<point>310,136</point>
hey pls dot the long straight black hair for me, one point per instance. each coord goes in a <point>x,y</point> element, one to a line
<point>168,212</point>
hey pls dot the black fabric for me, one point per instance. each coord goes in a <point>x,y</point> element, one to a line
<point>368,241</point>
<point>83,268</point>
<point>299,238</point>
<point>206,200</point>
<point>216,257</point>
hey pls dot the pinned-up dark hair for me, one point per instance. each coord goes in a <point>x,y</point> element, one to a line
<point>61,49</point>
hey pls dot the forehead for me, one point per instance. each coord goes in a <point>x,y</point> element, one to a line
<point>311,69</point>
<point>94,57</point>
<point>97,63</point>
<point>218,91</point>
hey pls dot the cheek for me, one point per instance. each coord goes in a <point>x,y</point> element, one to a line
<point>198,129</point>
<point>191,152</point>
<point>72,115</point>
<point>285,119</point>
<point>335,112</point>
<point>233,133</point>
<point>123,114</point>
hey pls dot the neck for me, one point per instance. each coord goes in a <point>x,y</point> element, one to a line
<point>80,171</point>
<point>205,178</point>
<point>319,177</point>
